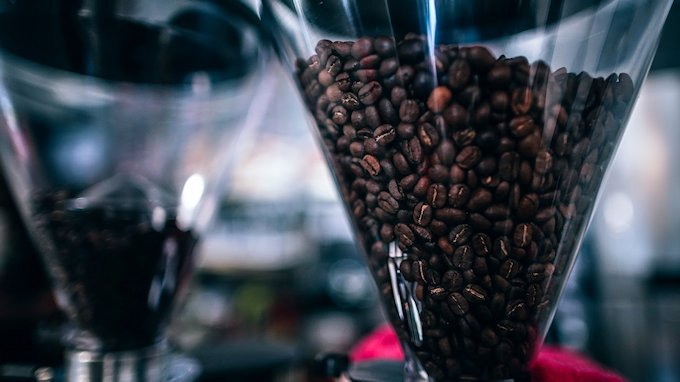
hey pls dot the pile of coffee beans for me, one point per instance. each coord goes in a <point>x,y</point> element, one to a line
<point>482,169</point>
<point>117,269</point>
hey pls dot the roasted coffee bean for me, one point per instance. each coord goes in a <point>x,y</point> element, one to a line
<point>459,195</point>
<point>458,304</point>
<point>469,157</point>
<point>404,235</point>
<point>450,215</point>
<point>527,207</point>
<point>362,47</point>
<point>499,76</point>
<point>479,199</point>
<point>536,273</point>
<point>419,271</point>
<point>455,115</point>
<point>371,165</point>
<point>517,311</point>
<point>411,51</point>
<point>509,269</point>
<point>421,187</point>
<point>436,195</point>
<point>446,152</point>
<point>439,99</point>
<point>497,212</point>
<point>459,74</point>
<point>460,234</point>
<point>480,266</point>
<point>522,126</point>
<point>480,57</point>
<point>384,46</point>
<point>521,101</point>
<point>463,258</point>
<point>508,166</point>
<point>481,243</point>
<point>480,222</point>
<point>370,93</point>
<point>409,111</point>
<point>502,249</point>
<point>452,280</point>
<point>428,135</point>
<point>474,294</point>
<point>388,203</point>
<point>533,296</point>
<point>422,214</point>
<point>523,235</point>
<point>529,146</point>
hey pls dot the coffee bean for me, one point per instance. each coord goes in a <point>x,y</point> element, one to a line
<point>384,134</point>
<point>428,135</point>
<point>458,304</point>
<point>411,51</point>
<point>422,214</point>
<point>455,115</point>
<point>479,199</point>
<point>523,235</point>
<point>459,195</point>
<point>517,311</point>
<point>509,269</point>
<point>409,110</point>
<point>469,157</point>
<point>481,243</point>
<point>480,266</point>
<point>499,76</point>
<point>436,195</point>
<point>522,126</point>
<point>527,207</point>
<point>497,212</point>
<point>521,101</point>
<point>463,258</point>
<point>480,57</point>
<point>450,215</point>
<point>488,337</point>
<point>474,294</point>
<point>536,273</point>
<point>370,93</point>
<point>362,47</point>
<point>414,151</point>
<point>533,295</point>
<point>421,187</point>
<point>349,101</point>
<point>452,280</point>
<point>371,165</point>
<point>479,222</point>
<point>404,235</point>
<point>446,152</point>
<point>460,234</point>
<point>384,46</point>
<point>544,162</point>
<point>529,146</point>
<point>439,99</point>
<point>387,111</point>
<point>459,74</point>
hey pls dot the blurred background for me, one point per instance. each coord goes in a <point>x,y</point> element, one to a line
<point>280,280</point>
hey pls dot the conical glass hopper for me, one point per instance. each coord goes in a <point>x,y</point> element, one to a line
<point>118,119</point>
<point>468,140</point>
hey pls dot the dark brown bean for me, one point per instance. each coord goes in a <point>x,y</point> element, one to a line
<point>422,214</point>
<point>474,294</point>
<point>458,304</point>
<point>460,234</point>
<point>469,157</point>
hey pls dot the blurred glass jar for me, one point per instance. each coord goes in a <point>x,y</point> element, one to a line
<point>26,300</point>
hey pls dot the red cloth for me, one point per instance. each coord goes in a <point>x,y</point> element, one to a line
<point>552,364</point>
